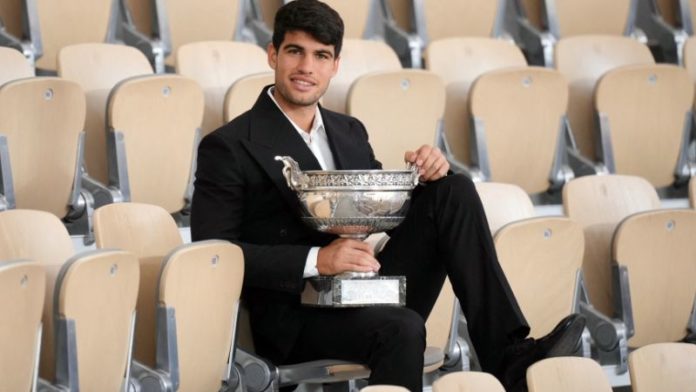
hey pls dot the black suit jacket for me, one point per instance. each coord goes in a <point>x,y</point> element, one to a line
<point>241,195</point>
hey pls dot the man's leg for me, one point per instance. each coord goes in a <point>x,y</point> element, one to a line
<point>446,233</point>
<point>389,340</point>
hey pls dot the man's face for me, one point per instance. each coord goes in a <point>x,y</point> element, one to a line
<point>303,68</point>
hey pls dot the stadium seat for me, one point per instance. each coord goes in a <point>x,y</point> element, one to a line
<point>243,93</point>
<point>664,367</point>
<point>518,115</point>
<point>504,203</point>
<point>437,19</point>
<point>459,61</point>
<point>567,374</point>
<point>566,18</point>
<point>216,65</point>
<point>381,100</point>
<point>187,301</point>
<point>94,317</point>
<point>358,57</point>
<point>645,122</point>
<point>13,66</point>
<point>654,252</point>
<point>467,382</point>
<point>599,203</point>
<point>383,388</point>
<point>359,17</point>
<point>583,60</point>
<point>667,24</point>
<point>97,68</point>
<point>153,125</point>
<point>159,28</point>
<point>41,139</point>
<point>22,291</point>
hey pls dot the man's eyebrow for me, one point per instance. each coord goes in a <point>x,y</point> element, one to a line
<point>293,46</point>
<point>324,51</point>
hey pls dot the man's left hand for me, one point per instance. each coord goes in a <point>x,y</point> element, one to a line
<point>432,164</point>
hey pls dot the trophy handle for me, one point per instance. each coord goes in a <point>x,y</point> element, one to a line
<point>293,175</point>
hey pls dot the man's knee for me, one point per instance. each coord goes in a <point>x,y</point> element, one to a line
<point>404,326</point>
<point>456,188</point>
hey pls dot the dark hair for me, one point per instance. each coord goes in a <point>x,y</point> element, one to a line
<point>314,18</point>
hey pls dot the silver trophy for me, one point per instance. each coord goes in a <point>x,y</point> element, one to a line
<point>352,204</point>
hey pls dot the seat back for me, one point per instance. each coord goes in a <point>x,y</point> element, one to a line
<point>14,65</point>
<point>518,115</point>
<point>358,57</point>
<point>668,367</point>
<point>541,258</point>
<point>467,382</point>
<point>71,22</point>
<point>94,305</point>
<point>567,374</point>
<point>599,203</point>
<point>645,112</point>
<point>201,284</point>
<point>216,65</point>
<point>583,60</point>
<point>97,68</point>
<point>383,388</point>
<point>155,120</point>
<point>355,15</point>
<point>438,19</point>
<point>504,203</point>
<point>42,119</point>
<point>459,61</point>
<point>657,249</point>
<point>11,15</point>
<point>40,236</point>
<point>571,17</point>
<point>22,291</point>
<point>439,324</point>
<point>150,233</point>
<point>243,93</point>
<point>668,10</point>
<point>269,9</point>
<point>380,99</point>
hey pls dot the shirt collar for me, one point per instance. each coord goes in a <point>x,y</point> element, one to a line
<point>317,124</point>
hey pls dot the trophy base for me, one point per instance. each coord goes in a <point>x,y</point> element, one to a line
<point>350,292</point>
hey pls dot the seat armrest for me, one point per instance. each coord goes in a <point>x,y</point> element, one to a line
<point>409,47</point>
<point>538,44</point>
<point>259,374</point>
<point>7,195</point>
<point>150,379</point>
<point>154,49</point>
<point>583,166</point>
<point>44,386</point>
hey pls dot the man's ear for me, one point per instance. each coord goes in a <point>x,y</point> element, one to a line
<point>337,64</point>
<point>272,55</point>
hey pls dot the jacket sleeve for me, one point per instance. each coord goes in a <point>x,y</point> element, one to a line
<point>217,212</point>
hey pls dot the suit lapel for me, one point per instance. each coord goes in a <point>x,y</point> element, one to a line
<point>345,150</point>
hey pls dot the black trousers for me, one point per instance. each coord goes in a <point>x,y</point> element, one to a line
<point>444,234</point>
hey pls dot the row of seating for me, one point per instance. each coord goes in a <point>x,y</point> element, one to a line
<point>159,28</point>
<point>605,258</point>
<point>666,367</point>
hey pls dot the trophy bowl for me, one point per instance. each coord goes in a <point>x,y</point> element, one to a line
<point>351,203</point>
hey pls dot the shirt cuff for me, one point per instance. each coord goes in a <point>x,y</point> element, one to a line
<point>310,268</point>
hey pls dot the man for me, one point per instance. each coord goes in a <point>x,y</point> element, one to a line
<point>240,195</point>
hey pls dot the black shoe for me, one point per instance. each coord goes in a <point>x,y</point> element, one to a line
<point>562,341</point>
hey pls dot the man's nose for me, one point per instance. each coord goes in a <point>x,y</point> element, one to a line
<point>306,64</point>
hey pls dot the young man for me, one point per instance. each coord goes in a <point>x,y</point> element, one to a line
<point>241,195</point>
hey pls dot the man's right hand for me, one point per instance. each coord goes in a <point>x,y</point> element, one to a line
<point>345,254</point>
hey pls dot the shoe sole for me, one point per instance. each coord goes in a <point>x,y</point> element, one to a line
<point>568,343</point>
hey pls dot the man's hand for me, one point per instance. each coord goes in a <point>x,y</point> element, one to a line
<point>430,161</point>
<point>345,254</point>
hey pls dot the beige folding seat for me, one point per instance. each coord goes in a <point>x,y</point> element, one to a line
<point>504,203</point>
<point>436,19</point>
<point>467,382</point>
<point>358,57</point>
<point>13,65</point>
<point>22,291</point>
<point>243,93</point>
<point>542,258</point>
<point>187,302</point>
<point>566,18</point>
<point>459,61</point>
<point>41,138</point>
<point>665,367</point>
<point>88,306</point>
<point>583,59</point>
<point>645,122</point>
<point>599,203</point>
<point>654,252</point>
<point>161,27</point>
<point>97,68</point>
<point>567,374</point>
<point>71,22</point>
<point>518,116</point>
<point>216,65</point>
<point>383,388</point>
<point>153,133</point>
<point>380,99</point>
<point>94,317</point>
